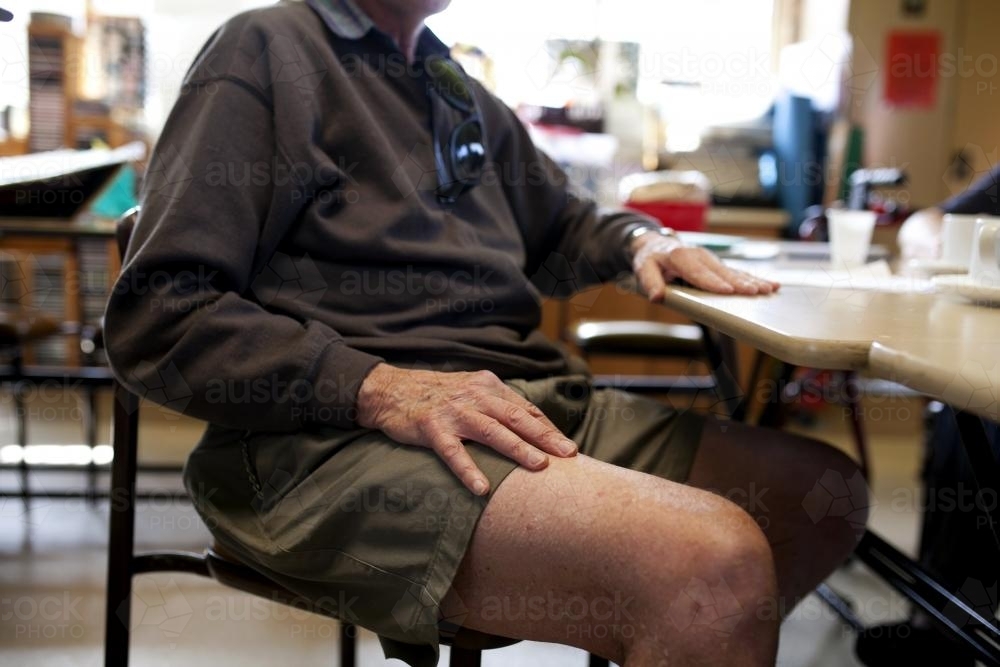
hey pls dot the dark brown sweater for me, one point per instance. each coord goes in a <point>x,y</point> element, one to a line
<point>980,198</point>
<point>290,238</point>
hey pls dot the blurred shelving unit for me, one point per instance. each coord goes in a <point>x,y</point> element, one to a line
<point>86,80</point>
<point>85,87</point>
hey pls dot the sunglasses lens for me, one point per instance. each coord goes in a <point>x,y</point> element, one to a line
<point>468,151</point>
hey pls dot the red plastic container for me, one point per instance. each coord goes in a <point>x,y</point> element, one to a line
<point>681,216</point>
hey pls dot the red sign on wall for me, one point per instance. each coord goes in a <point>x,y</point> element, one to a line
<point>911,72</point>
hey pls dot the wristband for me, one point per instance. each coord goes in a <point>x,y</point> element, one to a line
<point>664,232</point>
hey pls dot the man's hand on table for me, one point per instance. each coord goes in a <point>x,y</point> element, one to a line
<point>658,259</point>
<point>440,410</point>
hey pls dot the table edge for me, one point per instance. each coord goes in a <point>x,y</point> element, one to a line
<point>927,379</point>
<point>797,350</point>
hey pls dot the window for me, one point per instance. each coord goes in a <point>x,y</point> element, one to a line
<point>701,63</point>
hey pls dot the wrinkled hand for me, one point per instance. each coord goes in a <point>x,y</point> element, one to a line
<point>920,235</point>
<point>439,410</point>
<point>657,261</point>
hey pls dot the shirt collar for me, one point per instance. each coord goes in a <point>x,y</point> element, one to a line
<point>345,19</point>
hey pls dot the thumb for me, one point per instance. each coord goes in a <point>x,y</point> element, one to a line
<point>650,277</point>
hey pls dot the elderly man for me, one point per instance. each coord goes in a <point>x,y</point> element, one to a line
<point>333,267</point>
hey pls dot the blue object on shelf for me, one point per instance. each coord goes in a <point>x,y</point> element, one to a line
<point>798,166</point>
<point>118,196</point>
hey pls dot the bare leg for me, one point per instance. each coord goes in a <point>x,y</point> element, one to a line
<point>774,476</point>
<point>628,566</point>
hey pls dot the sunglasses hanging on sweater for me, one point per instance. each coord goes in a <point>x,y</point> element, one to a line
<point>459,138</point>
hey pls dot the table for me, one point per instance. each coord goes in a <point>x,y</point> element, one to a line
<point>45,200</point>
<point>84,226</point>
<point>744,221</point>
<point>937,345</point>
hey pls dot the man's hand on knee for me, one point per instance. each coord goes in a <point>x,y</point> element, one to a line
<point>439,410</point>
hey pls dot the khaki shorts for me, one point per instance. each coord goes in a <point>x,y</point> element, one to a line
<point>372,531</point>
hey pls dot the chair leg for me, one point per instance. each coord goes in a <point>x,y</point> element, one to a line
<point>858,426</point>
<point>90,433</point>
<point>122,538</point>
<point>463,657</point>
<point>773,414</point>
<point>21,427</point>
<point>598,661</point>
<point>721,358</point>
<point>348,644</point>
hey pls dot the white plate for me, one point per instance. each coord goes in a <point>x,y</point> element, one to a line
<point>716,242</point>
<point>935,267</point>
<point>759,250</point>
<point>972,289</point>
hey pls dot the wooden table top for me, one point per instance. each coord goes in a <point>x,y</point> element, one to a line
<point>83,226</point>
<point>939,345</point>
<point>950,350</point>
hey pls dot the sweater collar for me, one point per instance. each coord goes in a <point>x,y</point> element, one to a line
<point>345,19</point>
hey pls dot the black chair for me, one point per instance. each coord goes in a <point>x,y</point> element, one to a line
<point>646,339</point>
<point>213,562</point>
<point>657,340</point>
<point>20,326</point>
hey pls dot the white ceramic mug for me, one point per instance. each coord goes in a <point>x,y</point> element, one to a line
<point>957,233</point>
<point>850,236</point>
<point>984,266</point>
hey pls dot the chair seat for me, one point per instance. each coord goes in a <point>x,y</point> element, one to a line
<point>656,384</point>
<point>19,325</point>
<point>228,570</point>
<point>636,338</point>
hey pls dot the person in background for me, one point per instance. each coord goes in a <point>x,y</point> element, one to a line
<point>956,543</point>
<point>920,235</point>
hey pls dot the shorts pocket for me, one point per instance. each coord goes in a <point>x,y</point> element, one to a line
<point>277,464</point>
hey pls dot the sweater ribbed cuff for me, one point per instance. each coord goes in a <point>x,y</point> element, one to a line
<point>339,375</point>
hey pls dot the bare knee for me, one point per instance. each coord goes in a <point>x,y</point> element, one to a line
<point>717,605</point>
<point>729,566</point>
<point>736,553</point>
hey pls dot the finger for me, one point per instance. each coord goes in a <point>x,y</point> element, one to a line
<point>512,396</point>
<point>561,445</point>
<point>533,431</point>
<point>741,281</point>
<point>650,277</point>
<point>706,279</point>
<point>491,433</point>
<point>744,283</point>
<point>764,286</point>
<point>454,454</point>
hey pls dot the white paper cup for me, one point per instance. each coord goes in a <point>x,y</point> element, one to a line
<point>984,263</point>
<point>850,236</point>
<point>957,232</point>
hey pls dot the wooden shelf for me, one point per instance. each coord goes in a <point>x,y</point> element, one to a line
<point>13,147</point>
<point>55,55</point>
